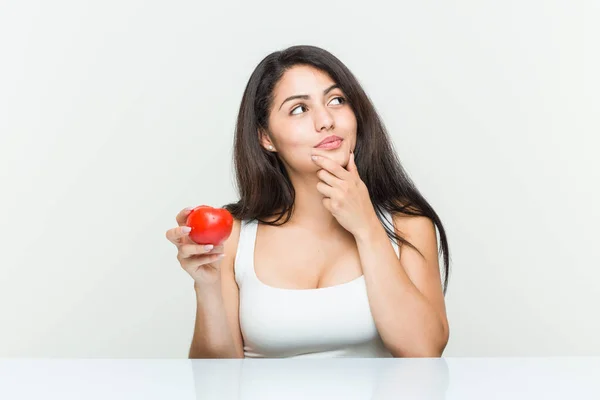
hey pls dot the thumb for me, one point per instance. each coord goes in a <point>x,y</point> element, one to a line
<point>351,163</point>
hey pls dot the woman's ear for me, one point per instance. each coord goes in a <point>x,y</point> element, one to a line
<point>265,141</point>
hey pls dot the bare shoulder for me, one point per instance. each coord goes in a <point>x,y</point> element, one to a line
<point>230,247</point>
<point>420,231</point>
<point>413,223</point>
<point>235,234</point>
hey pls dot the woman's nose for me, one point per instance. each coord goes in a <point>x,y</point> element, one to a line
<point>324,120</point>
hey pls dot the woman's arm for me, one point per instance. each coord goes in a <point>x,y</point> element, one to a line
<point>405,293</point>
<point>217,331</point>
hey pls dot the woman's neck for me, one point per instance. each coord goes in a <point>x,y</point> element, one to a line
<point>309,210</point>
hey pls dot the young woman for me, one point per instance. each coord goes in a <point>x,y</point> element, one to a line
<point>334,251</point>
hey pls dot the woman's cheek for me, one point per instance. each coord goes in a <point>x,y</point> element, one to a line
<point>295,141</point>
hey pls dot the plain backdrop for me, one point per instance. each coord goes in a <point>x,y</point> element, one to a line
<point>115,115</point>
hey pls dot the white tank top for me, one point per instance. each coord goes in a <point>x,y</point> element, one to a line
<point>333,321</point>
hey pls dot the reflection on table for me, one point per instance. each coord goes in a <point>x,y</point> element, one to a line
<point>333,378</point>
<point>337,378</point>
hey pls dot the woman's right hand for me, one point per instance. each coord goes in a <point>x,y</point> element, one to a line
<point>201,262</point>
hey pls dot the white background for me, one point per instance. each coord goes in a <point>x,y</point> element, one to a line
<point>115,115</point>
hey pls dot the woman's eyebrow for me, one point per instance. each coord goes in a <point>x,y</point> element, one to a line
<point>306,97</point>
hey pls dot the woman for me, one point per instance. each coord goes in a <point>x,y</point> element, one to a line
<point>333,251</point>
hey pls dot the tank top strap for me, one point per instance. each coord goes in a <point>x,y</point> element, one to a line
<point>245,250</point>
<point>244,258</point>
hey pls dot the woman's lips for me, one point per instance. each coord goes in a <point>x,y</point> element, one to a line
<point>331,145</point>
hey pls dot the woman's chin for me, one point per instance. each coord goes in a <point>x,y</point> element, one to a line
<point>339,156</point>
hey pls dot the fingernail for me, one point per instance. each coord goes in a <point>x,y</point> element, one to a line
<point>315,157</point>
<point>186,229</point>
<point>208,247</point>
<point>188,209</point>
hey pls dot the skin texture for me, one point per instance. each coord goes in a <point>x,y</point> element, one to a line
<point>293,137</point>
<point>313,236</point>
<point>333,236</point>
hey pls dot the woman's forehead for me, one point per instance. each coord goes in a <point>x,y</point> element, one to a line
<point>302,79</point>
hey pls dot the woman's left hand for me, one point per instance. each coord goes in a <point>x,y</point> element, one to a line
<point>346,195</point>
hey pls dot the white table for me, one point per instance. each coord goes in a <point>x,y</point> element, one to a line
<point>338,378</point>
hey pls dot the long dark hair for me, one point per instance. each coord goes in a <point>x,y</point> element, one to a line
<point>262,181</point>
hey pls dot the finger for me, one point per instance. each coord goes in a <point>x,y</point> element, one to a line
<point>181,217</point>
<point>328,178</point>
<point>325,190</point>
<point>218,249</point>
<point>188,250</point>
<point>331,166</point>
<point>352,163</point>
<point>327,204</point>
<point>178,235</point>
<point>215,250</point>
<point>195,262</point>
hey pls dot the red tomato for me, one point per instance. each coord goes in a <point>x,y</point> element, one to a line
<point>209,225</point>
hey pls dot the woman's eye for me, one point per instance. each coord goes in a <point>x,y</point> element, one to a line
<point>339,98</point>
<point>295,108</point>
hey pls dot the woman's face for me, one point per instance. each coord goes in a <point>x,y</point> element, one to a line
<point>298,125</point>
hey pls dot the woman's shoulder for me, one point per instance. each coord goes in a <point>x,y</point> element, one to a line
<point>230,244</point>
<point>235,232</point>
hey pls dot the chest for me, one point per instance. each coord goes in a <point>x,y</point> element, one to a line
<point>296,259</point>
